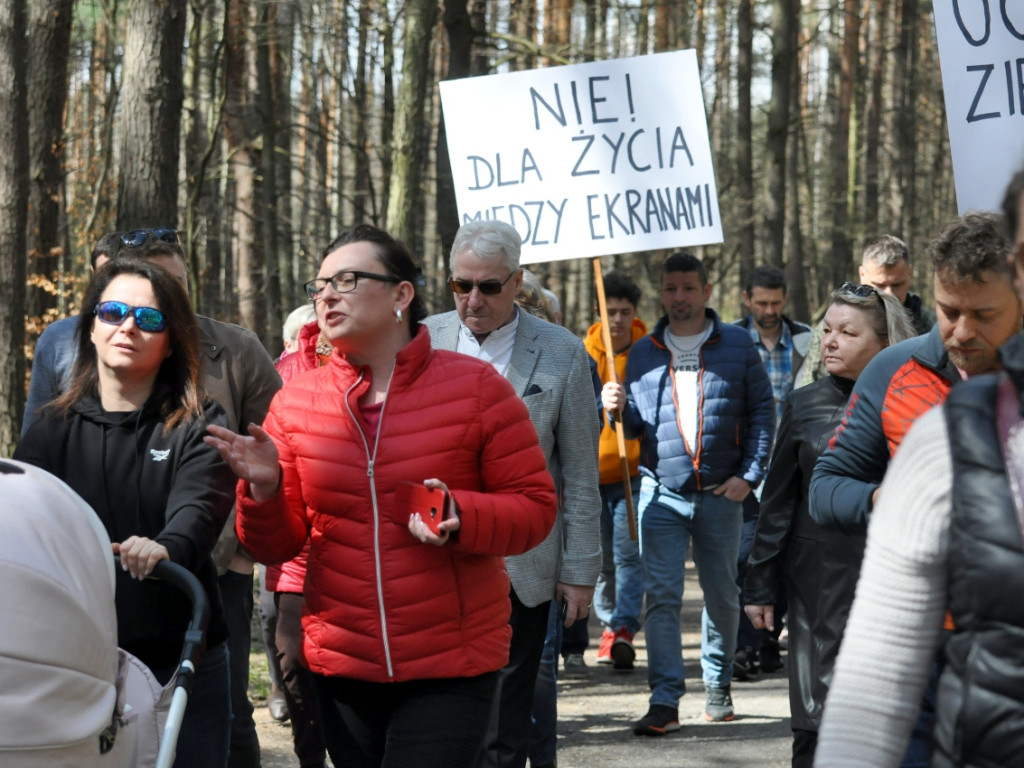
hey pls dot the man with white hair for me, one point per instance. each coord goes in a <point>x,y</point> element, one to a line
<point>549,369</point>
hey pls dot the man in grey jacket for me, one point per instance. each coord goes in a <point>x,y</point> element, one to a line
<point>549,369</point>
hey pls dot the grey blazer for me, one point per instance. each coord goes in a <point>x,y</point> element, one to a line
<point>550,372</point>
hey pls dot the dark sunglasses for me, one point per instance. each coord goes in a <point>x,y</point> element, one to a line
<point>343,282</point>
<point>861,291</point>
<point>137,237</point>
<point>146,318</point>
<point>487,287</point>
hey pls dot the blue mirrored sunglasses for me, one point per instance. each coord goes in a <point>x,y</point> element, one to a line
<point>146,318</point>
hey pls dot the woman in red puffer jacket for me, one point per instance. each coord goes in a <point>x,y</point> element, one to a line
<point>405,629</point>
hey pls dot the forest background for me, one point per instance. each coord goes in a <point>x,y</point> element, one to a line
<point>259,128</point>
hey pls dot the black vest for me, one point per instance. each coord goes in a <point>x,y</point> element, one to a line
<point>980,703</point>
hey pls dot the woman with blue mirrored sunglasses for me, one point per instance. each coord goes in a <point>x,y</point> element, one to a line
<point>127,436</point>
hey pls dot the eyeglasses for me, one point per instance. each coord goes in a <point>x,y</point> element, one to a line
<point>138,237</point>
<point>146,318</point>
<point>487,287</point>
<point>344,282</point>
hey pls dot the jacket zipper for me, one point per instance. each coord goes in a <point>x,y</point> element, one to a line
<point>370,461</point>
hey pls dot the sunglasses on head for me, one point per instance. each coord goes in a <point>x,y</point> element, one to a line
<point>146,318</point>
<point>486,287</point>
<point>138,237</point>
<point>861,291</point>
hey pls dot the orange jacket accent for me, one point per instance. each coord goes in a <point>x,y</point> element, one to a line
<point>609,465</point>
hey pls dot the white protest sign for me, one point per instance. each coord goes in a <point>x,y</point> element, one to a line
<point>981,52</point>
<point>587,159</point>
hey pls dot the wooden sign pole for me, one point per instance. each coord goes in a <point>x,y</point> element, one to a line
<point>606,336</point>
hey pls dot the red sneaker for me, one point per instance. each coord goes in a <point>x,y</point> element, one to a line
<point>604,650</point>
<point>623,652</point>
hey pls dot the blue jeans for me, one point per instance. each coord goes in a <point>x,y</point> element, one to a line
<point>620,587</point>
<point>544,734</point>
<point>668,521</point>
<point>206,727</point>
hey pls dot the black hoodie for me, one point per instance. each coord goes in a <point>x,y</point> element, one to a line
<point>171,488</point>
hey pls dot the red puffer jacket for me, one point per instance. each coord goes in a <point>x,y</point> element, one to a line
<point>291,576</point>
<point>380,605</point>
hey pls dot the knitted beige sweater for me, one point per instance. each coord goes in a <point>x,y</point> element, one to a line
<point>897,615</point>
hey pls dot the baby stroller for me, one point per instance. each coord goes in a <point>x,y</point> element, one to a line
<point>68,695</point>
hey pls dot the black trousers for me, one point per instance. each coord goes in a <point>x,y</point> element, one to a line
<point>508,737</point>
<point>416,724</point>
<point>236,595</point>
<point>297,682</point>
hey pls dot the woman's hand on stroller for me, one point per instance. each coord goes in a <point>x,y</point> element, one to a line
<point>253,458</point>
<point>140,555</point>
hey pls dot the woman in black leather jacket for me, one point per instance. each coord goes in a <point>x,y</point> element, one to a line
<point>817,566</point>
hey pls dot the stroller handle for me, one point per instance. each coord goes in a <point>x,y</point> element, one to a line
<point>183,579</point>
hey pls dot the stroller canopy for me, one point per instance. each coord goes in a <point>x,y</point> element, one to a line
<point>58,632</point>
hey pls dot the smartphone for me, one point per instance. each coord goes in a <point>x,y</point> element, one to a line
<point>431,503</point>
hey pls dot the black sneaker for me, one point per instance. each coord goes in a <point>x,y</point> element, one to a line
<point>718,705</point>
<point>745,664</point>
<point>658,721</point>
<point>771,657</point>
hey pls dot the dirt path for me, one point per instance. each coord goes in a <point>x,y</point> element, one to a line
<point>595,715</point>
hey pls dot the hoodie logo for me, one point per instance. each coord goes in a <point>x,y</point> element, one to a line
<point>159,455</point>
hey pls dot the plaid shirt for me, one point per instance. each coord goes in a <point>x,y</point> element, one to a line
<point>779,364</point>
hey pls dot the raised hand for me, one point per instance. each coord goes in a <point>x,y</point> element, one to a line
<point>253,457</point>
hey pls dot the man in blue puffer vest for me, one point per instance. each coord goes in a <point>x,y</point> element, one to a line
<point>697,395</point>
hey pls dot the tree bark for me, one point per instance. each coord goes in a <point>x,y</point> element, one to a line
<point>13,206</point>
<point>49,41</point>
<point>744,135</point>
<point>785,27</point>
<point>151,114</point>
<point>243,160</point>
<point>459,28</point>
<point>405,211</point>
<point>842,250</point>
<point>904,198</point>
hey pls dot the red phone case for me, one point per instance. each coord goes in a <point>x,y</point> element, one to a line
<point>431,503</point>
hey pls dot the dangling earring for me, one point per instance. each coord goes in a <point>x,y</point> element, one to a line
<point>398,315</point>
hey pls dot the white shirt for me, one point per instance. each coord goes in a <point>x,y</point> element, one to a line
<point>496,349</point>
<point>685,369</point>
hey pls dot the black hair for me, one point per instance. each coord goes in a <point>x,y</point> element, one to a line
<point>619,285</point>
<point>684,261</point>
<point>179,372</point>
<point>765,276</point>
<point>396,259</point>
<point>107,245</point>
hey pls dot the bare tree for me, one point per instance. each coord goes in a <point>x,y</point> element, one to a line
<point>785,30</point>
<point>744,135</point>
<point>240,121</point>
<point>405,212</point>
<point>13,205</point>
<point>48,44</point>
<point>151,114</point>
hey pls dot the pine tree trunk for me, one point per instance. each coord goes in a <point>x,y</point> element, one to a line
<point>151,99</point>
<point>405,211</point>
<point>13,206</point>
<point>48,45</point>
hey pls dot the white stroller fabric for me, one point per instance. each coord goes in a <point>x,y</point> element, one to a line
<point>62,677</point>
